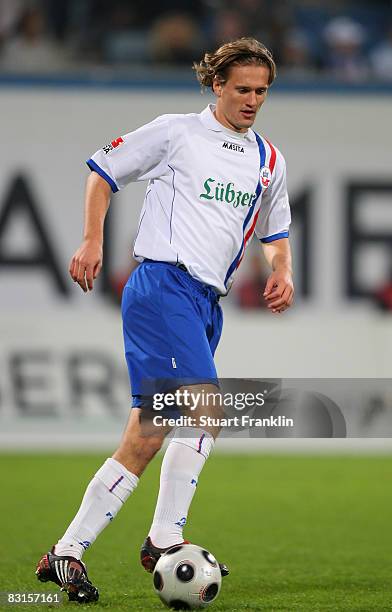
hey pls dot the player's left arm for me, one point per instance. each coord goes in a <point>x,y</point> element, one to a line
<point>272,229</point>
<point>279,289</point>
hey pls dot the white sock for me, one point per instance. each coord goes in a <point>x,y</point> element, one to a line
<point>104,496</point>
<point>183,461</point>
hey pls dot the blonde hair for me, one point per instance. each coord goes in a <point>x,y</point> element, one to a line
<point>240,52</point>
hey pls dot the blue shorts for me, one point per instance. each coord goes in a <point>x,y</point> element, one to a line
<point>172,324</point>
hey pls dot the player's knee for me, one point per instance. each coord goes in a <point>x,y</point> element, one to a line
<point>143,449</point>
<point>148,447</point>
<point>135,455</point>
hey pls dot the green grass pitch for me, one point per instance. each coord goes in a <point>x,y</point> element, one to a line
<point>298,532</point>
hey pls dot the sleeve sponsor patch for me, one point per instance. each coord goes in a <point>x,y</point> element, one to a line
<point>113,145</point>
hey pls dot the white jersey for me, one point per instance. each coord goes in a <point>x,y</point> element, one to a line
<point>209,190</point>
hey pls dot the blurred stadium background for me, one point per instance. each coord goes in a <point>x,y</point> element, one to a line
<point>76,74</point>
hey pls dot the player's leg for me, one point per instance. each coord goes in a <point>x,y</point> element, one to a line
<point>183,461</point>
<point>190,447</point>
<point>110,488</point>
<point>119,475</point>
<point>138,445</point>
<point>105,495</point>
<point>188,450</point>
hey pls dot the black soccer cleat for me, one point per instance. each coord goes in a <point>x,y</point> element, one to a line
<point>150,555</point>
<point>224,569</point>
<point>69,574</point>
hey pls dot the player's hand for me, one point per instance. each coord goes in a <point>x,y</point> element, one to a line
<point>279,291</point>
<point>86,264</point>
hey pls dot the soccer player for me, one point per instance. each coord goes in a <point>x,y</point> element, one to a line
<point>213,183</point>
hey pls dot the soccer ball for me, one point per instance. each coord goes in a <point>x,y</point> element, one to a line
<point>187,577</point>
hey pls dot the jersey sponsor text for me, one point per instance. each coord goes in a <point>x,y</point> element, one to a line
<point>221,192</point>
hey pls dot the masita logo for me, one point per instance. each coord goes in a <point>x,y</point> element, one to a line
<point>226,192</point>
<point>232,146</point>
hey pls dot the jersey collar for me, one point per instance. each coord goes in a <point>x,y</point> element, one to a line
<point>211,123</point>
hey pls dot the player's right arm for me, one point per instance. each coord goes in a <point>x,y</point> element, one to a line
<point>86,263</point>
<point>136,156</point>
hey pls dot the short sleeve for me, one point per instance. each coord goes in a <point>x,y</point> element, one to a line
<point>137,156</point>
<point>274,217</point>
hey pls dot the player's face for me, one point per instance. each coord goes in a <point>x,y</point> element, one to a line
<point>240,98</point>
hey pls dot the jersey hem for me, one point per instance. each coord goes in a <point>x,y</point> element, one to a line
<point>94,166</point>
<point>275,237</point>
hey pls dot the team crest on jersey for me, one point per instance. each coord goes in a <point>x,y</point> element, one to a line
<point>233,146</point>
<point>265,177</point>
<point>113,145</point>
